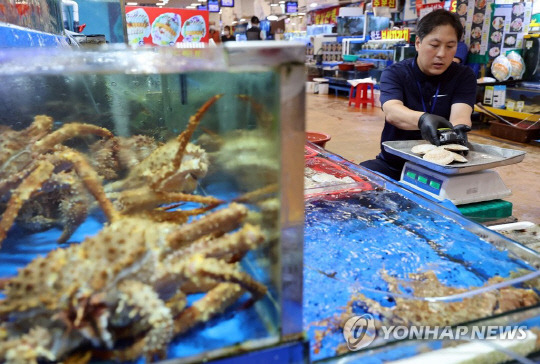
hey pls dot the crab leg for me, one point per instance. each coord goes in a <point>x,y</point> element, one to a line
<point>140,299</point>
<point>13,180</point>
<point>145,198</point>
<point>186,135</point>
<point>68,131</point>
<point>264,118</point>
<point>193,122</point>
<point>91,180</point>
<point>257,194</point>
<point>213,303</point>
<point>198,267</point>
<point>29,185</point>
<point>230,248</point>
<point>40,127</point>
<point>220,221</point>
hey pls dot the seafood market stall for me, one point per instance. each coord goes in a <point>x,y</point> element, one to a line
<point>151,203</point>
<point>152,209</point>
<point>375,249</point>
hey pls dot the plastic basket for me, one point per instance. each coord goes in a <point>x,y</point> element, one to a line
<point>487,210</point>
<point>319,139</point>
<point>522,133</point>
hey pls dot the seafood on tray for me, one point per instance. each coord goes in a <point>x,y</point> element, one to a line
<point>443,155</point>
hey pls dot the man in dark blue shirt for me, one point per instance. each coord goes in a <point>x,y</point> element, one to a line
<point>421,95</point>
<point>254,33</point>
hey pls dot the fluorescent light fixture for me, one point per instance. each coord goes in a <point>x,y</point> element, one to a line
<point>274,4</point>
<point>242,19</point>
<point>272,17</point>
<point>301,14</point>
<point>282,2</point>
<point>234,22</point>
<point>194,4</point>
<point>132,4</point>
<point>201,1</point>
<point>313,5</point>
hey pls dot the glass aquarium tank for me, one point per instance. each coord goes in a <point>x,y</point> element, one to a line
<point>152,203</point>
<point>378,258</point>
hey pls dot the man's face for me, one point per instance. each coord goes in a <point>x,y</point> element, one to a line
<point>436,51</point>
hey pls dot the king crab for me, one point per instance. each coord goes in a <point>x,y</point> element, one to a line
<point>165,174</point>
<point>33,161</point>
<point>127,284</point>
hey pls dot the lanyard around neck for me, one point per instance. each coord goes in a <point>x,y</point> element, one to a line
<point>422,95</point>
<point>436,97</point>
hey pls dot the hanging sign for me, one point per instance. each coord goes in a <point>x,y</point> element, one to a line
<point>423,9</point>
<point>395,34</point>
<point>326,16</point>
<point>379,3</point>
<point>165,26</point>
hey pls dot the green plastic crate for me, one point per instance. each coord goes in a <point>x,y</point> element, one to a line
<point>349,58</point>
<point>487,210</point>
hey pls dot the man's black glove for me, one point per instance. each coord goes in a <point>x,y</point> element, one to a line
<point>461,131</point>
<point>428,125</point>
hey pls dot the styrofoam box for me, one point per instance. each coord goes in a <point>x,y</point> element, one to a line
<point>312,87</point>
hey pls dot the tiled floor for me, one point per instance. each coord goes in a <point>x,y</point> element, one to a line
<point>356,133</point>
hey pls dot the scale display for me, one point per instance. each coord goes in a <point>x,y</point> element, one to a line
<point>422,180</point>
<point>458,188</point>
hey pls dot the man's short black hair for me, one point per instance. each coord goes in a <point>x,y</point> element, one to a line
<point>437,18</point>
<point>254,20</point>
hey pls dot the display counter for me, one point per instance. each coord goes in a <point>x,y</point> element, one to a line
<point>373,248</point>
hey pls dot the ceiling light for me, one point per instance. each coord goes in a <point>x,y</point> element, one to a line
<point>313,5</point>
<point>201,1</point>
<point>131,4</point>
<point>282,2</point>
<point>272,17</point>
<point>194,4</point>
<point>301,14</point>
<point>273,4</point>
<point>242,19</point>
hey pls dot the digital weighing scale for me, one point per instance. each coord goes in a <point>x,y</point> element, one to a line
<point>461,183</point>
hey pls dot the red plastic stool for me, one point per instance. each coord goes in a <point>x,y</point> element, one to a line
<point>362,95</point>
